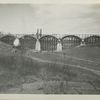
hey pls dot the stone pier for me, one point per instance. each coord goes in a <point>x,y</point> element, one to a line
<point>59,46</point>
<point>82,43</point>
<point>16,42</point>
<point>37,47</point>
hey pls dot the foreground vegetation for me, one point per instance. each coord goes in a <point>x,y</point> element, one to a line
<point>22,74</point>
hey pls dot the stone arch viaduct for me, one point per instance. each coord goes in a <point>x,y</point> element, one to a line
<point>41,42</point>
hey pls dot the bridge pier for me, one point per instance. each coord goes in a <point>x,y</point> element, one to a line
<point>16,42</point>
<point>37,46</point>
<point>82,43</point>
<point>59,46</point>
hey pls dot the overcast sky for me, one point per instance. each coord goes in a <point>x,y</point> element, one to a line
<point>57,19</point>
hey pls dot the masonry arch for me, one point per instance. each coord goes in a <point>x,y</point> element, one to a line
<point>28,42</point>
<point>48,43</point>
<point>8,39</point>
<point>70,41</point>
<point>93,40</point>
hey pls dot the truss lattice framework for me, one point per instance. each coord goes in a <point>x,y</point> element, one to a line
<point>52,42</point>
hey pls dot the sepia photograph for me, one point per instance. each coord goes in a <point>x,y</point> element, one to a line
<point>50,49</point>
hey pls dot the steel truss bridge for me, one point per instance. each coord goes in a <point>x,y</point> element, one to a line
<point>51,42</point>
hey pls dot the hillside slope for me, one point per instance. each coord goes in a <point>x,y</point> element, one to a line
<point>20,73</point>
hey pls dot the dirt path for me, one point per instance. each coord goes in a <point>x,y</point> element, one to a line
<point>77,58</point>
<point>71,65</point>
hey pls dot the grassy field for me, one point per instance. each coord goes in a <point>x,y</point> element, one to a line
<point>75,71</point>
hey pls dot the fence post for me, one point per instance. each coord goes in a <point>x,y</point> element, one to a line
<point>59,45</point>
<point>37,46</point>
